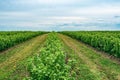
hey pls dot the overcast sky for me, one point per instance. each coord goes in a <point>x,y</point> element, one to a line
<point>59,15</point>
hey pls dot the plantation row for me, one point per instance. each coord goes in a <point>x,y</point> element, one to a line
<point>50,64</point>
<point>107,41</point>
<point>9,39</point>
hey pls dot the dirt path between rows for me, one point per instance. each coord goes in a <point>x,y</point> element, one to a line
<point>20,54</point>
<point>101,71</point>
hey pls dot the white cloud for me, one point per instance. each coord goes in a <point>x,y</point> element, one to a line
<point>69,18</point>
<point>49,1</point>
<point>20,24</point>
<point>98,11</point>
<point>14,14</point>
<point>43,2</point>
<point>43,15</point>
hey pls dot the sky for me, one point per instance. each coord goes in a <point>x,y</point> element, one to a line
<point>59,15</point>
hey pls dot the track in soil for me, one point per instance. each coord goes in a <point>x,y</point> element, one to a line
<point>91,64</point>
<point>101,67</point>
<point>10,59</point>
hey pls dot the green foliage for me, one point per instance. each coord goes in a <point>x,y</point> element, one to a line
<point>9,39</point>
<point>50,64</point>
<point>108,41</point>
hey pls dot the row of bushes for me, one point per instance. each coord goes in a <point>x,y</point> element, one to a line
<point>50,64</point>
<point>9,39</point>
<point>105,41</point>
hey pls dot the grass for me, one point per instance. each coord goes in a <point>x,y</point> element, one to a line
<point>79,69</point>
<point>109,67</point>
<point>89,64</point>
<point>103,68</point>
<point>14,65</point>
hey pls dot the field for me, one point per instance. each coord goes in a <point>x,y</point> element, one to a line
<point>67,55</point>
